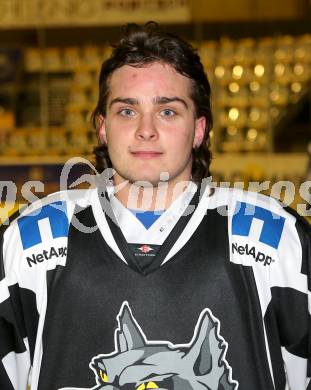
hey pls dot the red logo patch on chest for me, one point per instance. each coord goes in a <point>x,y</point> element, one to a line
<point>145,248</point>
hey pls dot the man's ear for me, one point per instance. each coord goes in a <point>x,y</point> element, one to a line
<point>102,129</point>
<point>199,131</point>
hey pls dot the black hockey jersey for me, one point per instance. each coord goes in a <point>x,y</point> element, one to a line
<point>222,304</point>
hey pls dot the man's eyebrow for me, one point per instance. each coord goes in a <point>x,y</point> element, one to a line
<point>156,100</point>
<point>165,99</point>
<point>130,101</point>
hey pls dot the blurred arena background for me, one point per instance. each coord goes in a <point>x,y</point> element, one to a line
<point>257,54</point>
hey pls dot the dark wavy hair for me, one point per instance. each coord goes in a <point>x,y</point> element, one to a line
<point>143,45</point>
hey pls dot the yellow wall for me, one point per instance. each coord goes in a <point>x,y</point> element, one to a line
<point>228,10</point>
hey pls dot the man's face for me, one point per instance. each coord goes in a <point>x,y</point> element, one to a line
<point>150,125</point>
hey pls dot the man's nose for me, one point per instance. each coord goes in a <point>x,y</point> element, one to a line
<point>146,129</point>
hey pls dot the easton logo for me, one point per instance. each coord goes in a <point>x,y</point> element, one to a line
<point>145,249</point>
<point>46,255</point>
<point>251,251</point>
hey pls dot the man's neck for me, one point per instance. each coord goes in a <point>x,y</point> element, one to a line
<point>158,197</point>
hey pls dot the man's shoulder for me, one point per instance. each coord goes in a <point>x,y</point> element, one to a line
<point>263,220</point>
<point>48,206</point>
<point>40,231</point>
<point>246,209</point>
<point>250,202</point>
<point>50,215</point>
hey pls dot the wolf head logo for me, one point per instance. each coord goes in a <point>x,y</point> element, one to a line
<point>139,364</point>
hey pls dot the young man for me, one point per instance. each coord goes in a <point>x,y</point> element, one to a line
<point>154,279</point>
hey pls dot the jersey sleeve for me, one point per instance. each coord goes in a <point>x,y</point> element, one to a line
<point>290,305</point>
<point>304,343</point>
<point>17,323</point>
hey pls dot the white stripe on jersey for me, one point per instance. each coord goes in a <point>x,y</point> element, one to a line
<point>192,225</point>
<point>103,226</point>
<point>17,367</point>
<point>4,291</point>
<point>296,370</point>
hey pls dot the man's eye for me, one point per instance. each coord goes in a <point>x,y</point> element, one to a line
<point>127,112</point>
<point>168,113</point>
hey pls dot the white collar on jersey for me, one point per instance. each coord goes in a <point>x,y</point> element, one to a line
<point>207,201</point>
<point>135,232</point>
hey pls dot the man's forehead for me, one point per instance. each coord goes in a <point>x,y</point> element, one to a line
<point>154,81</point>
<point>135,69</point>
<point>156,72</point>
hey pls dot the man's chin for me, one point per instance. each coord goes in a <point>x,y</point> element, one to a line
<point>147,180</point>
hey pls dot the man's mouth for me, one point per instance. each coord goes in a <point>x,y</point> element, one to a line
<point>146,154</point>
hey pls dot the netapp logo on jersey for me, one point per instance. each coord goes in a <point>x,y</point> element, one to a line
<point>29,225</point>
<point>47,255</point>
<point>251,251</point>
<point>272,224</point>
